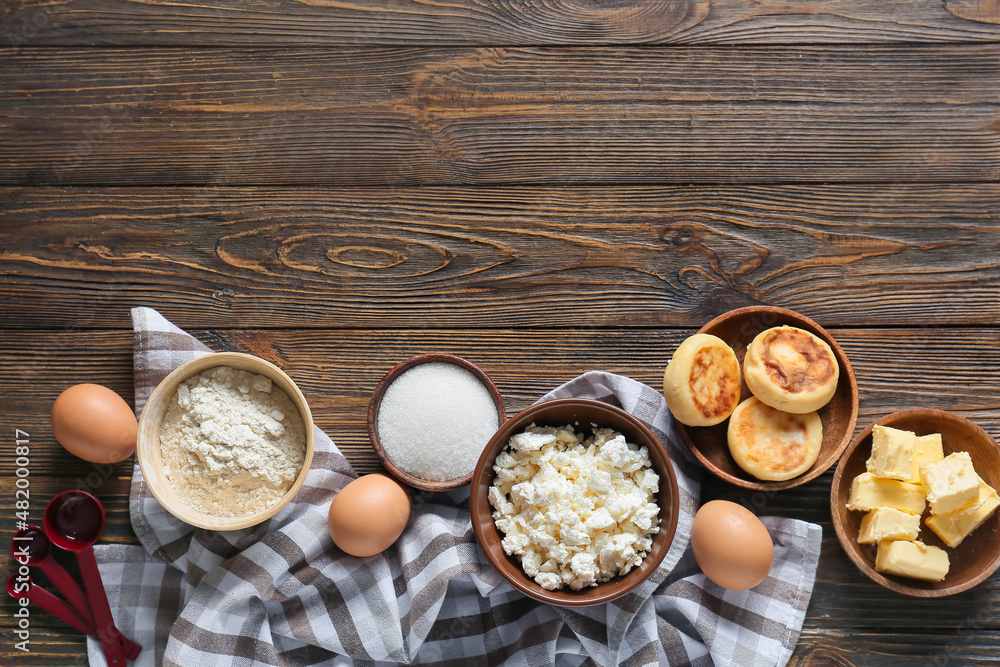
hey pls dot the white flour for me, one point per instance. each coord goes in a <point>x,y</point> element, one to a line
<point>232,444</point>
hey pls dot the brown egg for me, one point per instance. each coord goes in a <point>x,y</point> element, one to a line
<point>369,514</point>
<point>731,545</point>
<point>94,423</point>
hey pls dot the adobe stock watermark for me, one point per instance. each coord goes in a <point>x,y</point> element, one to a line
<point>21,32</point>
<point>22,506</point>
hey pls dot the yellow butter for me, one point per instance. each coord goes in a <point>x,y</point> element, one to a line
<point>912,559</point>
<point>869,492</point>
<point>951,483</point>
<point>886,523</point>
<point>926,449</point>
<point>892,453</point>
<point>954,527</point>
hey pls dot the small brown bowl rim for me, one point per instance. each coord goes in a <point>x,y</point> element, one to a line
<point>151,465</point>
<point>376,402</point>
<point>846,375</point>
<point>847,542</point>
<point>509,568</point>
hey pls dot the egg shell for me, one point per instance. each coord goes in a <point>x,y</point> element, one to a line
<point>731,545</point>
<point>94,423</point>
<point>369,514</point>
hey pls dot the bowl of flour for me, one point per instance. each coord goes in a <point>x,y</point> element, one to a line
<point>225,441</point>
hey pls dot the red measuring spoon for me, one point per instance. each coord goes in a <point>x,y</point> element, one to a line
<point>31,546</point>
<point>74,520</point>
<point>48,602</point>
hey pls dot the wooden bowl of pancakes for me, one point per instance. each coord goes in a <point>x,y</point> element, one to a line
<point>838,416</point>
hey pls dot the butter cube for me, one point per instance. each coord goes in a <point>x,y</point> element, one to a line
<point>912,559</point>
<point>869,492</point>
<point>892,453</point>
<point>927,449</point>
<point>954,527</point>
<point>951,483</point>
<point>886,523</point>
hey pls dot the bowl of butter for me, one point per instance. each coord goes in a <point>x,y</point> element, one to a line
<point>915,505</point>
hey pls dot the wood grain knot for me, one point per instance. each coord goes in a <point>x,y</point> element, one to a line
<point>363,254</point>
<point>627,17</point>
<point>368,255</point>
<point>725,253</point>
<point>984,11</point>
<point>566,20</point>
<point>365,257</point>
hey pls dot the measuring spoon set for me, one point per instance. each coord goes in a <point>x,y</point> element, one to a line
<point>73,521</point>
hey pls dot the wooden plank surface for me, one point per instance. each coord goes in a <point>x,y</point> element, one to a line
<point>353,117</point>
<point>462,22</point>
<point>545,188</point>
<point>524,257</point>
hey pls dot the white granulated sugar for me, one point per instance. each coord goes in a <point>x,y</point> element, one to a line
<point>232,443</point>
<point>435,420</point>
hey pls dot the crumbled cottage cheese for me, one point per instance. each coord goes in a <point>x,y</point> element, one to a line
<point>576,512</point>
<point>232,444</point>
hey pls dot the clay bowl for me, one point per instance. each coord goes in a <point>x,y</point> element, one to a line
<point>976,558</point>
<point>709,444</point>
<point>581,413</point>
<point>376,403</point>
<point>148,442</point>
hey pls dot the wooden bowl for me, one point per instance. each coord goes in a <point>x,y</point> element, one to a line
<point>578,412</point>
<point>976,558</point>
<point>148,442</point>
<point>376,403</point>
<point>710,444</point>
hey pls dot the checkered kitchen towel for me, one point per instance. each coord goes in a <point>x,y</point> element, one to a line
<point>283,594</point>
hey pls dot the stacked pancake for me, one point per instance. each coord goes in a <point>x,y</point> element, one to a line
<point>702,381</point>
<point>775,434</point>
<point>773,445</point>
<point>791,370</point>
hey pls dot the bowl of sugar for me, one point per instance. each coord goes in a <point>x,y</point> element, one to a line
<point>431,417</point>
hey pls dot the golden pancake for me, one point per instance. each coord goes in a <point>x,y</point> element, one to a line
<point>791,370</point>
<point>702,381</point>
<point>773,445</point>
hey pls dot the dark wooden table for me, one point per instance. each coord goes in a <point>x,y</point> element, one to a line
<point>543,188</point>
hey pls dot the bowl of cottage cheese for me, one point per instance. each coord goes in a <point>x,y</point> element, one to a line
<point>574,502</point>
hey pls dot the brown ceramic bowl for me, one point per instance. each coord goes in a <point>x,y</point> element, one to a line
<point>710,444</point>
<point>581,413</point>
<point>376,403</point>
<point>148,442</point>
<point>976,558</point>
